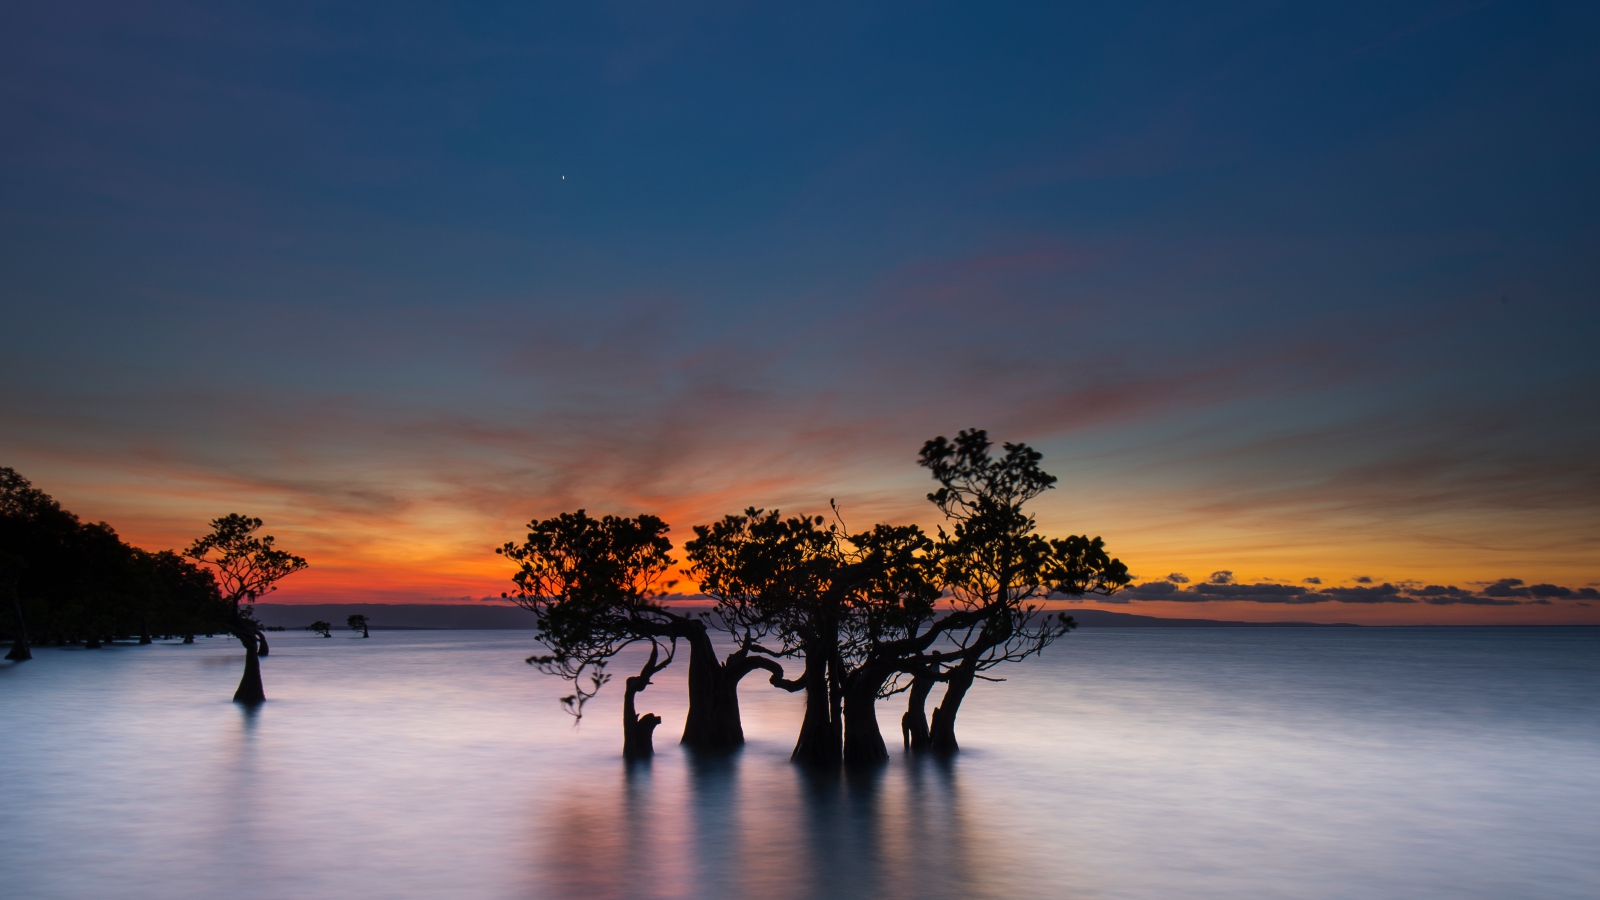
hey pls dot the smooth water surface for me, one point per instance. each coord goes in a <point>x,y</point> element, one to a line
<point>1126,763</point>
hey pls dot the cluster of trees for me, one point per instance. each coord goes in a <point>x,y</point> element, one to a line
<point>69,581</point>
<point>74,582</point>
<point>865,615</point>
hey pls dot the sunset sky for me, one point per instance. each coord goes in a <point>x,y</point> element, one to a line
<point>1307,295</point>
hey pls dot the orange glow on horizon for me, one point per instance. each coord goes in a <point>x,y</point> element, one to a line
<point>434,543</point>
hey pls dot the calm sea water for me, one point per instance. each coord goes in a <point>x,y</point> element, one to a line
<point>1136,763</point>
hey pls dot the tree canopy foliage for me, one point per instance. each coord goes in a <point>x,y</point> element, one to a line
<point>73,581</point>
<point>867,614</point>
<point>996,570</point>
<point>595,585</point>
<point>246,565</point>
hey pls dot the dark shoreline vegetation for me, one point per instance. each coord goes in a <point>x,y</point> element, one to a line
<point>75,582</point>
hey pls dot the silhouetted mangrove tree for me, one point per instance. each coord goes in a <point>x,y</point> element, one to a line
<point>869,614</point>
<point>246,566</point>
<point>595,585</point>
<point>996,570</point>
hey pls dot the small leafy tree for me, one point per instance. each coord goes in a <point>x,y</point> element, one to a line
<point>596,586</point>
<point>358,622</point>
<point>247,566</point>
<point>997,570</point>
<point>320,627</point>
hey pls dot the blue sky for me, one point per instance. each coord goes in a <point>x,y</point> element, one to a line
<point>1281,287</point>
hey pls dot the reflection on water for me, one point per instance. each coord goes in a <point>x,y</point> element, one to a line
<point>1133,764</point>
<point>718,827</point>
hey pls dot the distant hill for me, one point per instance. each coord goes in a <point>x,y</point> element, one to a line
<point>488,616</point>
<point>498,616</point>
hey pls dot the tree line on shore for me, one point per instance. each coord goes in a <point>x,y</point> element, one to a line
<point>857,616</point>
<point>72,582</point>
<point>864,614</point>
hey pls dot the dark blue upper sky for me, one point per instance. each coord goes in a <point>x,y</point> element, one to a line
<point>1239,265</point>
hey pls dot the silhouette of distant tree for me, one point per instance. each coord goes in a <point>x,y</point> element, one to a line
<point>997,570</point>
<point>320,627</point>
<point>79,571</point>
<point>246,566</point>
<point>358,622</point>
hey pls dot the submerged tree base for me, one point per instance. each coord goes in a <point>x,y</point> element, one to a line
<point>942,737</point>
<point>250,690</point>
<point>637,730</point>
<point>637,741</point>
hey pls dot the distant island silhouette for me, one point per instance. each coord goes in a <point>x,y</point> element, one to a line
<point>505,617</point>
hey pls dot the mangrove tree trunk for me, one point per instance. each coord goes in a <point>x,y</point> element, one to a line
<point>255,646</point>
<point>819,741</point>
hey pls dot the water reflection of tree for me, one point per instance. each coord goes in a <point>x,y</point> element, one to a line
<point>751,826</point>
<point>892,834</point>
<point>616,839</point>
<point>239,791</point>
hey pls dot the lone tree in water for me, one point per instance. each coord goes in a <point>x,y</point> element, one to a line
<point>247,566</point>
<point>320,627</point>
<point>358,622</point>
<point>998,570</point>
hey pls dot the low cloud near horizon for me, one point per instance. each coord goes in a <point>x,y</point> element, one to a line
<point>1222,588</point>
